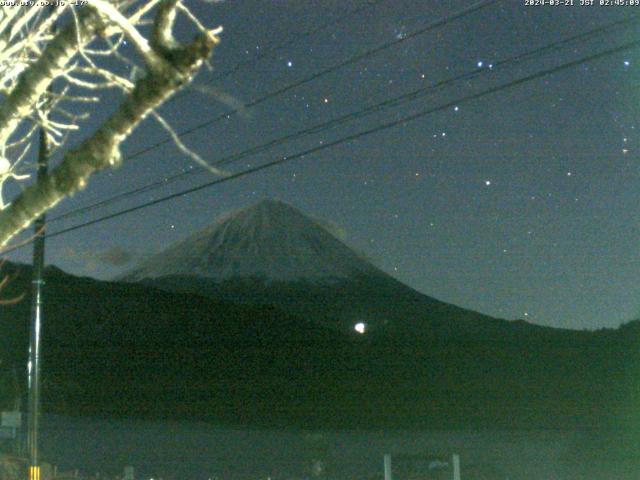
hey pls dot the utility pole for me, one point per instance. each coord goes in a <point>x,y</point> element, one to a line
<point>35,338</point>
<point>33,415</point>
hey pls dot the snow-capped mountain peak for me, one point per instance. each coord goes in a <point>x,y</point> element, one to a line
<point>270,240</point>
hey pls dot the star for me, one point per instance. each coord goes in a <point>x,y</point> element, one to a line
<point>289,64</point>
<point>487,182</point>
<point>456,108</point>
<point>480,63</point>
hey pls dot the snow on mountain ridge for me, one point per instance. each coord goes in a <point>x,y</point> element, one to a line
<point>270,240</point>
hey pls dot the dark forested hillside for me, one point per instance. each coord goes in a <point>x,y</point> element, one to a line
<point>133,350</point>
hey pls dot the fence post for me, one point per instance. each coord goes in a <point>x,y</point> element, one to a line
<point>388,474</point>
<point>129,473</point>
<point>456,466</point>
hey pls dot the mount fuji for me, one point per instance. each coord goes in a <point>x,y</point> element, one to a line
<point>271,241</point>
<point>271,253</point>
<point>251,322</point>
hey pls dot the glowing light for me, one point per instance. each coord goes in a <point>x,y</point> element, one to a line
<point>360,328</point>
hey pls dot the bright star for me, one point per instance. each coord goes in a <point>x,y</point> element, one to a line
<point>289,64</point>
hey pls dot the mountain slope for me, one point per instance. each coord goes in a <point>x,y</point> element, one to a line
<point>271,241</point>
<point>131,350</point>
<point>246,346</point>
<point>271,253</point>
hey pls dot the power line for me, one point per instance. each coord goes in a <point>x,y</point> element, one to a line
<point>265,53</point>
<point>351,60</point>
<point>355,136</point>
<point>392,102</point>
<point>295,38</point>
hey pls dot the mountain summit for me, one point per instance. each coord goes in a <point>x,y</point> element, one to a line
<point>271,241</point>
<point>272,254</point>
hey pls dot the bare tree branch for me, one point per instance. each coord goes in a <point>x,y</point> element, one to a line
<point>34,81</point>
<point>173,67</point>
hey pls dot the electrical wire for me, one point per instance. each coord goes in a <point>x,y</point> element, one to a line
<point>315,76</point>
<point>349,138</point>
<point>392,102</point>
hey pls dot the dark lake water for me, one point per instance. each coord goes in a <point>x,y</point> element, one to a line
<point>180,450</point>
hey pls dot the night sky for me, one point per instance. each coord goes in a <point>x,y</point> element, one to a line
<point>524,203</point>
